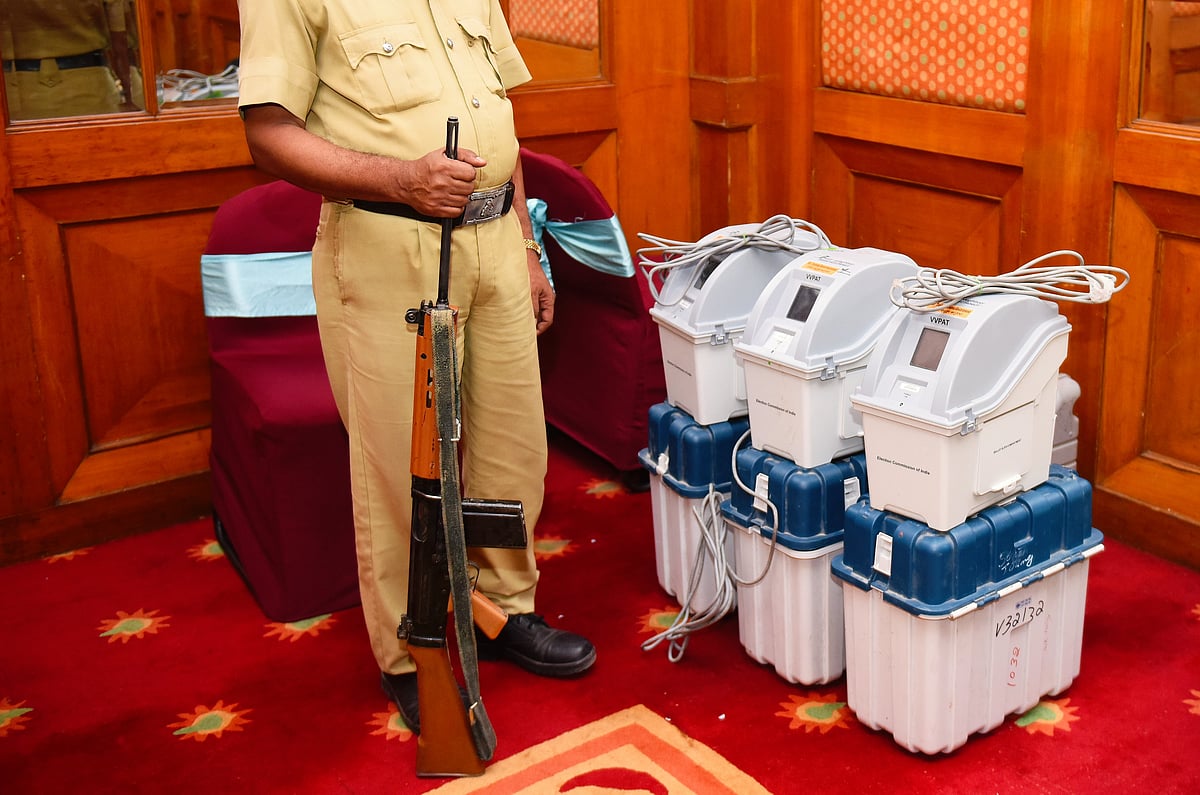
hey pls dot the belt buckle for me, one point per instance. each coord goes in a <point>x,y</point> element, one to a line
<point>484,205</point>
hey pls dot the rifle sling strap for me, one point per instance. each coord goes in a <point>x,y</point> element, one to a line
<point>445,377</point>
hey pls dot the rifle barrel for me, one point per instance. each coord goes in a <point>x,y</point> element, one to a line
<point>443,294</point>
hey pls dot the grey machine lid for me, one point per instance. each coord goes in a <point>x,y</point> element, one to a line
<point>960,363</point>
<point>825,309</point>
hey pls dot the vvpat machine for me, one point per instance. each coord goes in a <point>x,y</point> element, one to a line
<point>701,311</point>
<point>958,406</point>
<point>806,346</point>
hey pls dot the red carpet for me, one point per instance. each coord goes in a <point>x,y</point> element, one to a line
<point>144,666</point>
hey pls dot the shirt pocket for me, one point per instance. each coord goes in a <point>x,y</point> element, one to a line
<point>392,67</point>
<point>479,40</point>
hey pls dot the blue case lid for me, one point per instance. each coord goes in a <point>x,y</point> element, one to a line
<point>811,501</point>
<point>934,572</point>
<point>697,456</point>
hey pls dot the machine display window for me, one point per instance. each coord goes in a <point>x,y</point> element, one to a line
<point>930,347</point>
<point>803,303</point>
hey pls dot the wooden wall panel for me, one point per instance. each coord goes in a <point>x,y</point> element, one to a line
<point>59,397</point>
<point>142,348</point>
<point>1148,468</point>
<point>1172,414</point>
<point>649,68</point>
<point>1076,65</point>
<point>114,411</point>
<point>750,107</point>
<point>943,212</point>
<point>24,471</point>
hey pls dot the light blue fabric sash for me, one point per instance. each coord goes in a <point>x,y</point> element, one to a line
<point>599,244</point>
<point>257,285</point>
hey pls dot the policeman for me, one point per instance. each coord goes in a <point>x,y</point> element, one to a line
<point>57,57</point>
<point>349,98</point>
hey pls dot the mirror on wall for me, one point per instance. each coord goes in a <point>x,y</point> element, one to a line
<point>69,58</point>
<point>1171,61</point>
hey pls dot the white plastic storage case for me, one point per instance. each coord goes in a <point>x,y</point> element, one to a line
<point>805,349</point>
<point>701,312</point>
<point>958,406</point>
<point>949,632</point>
<point>792,619</point>
<point>686,460</point>
<point>1066,424</point>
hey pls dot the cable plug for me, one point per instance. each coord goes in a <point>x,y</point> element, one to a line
<point>1102,288</point>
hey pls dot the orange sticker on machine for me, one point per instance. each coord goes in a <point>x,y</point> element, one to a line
<point>955,311</point>
<point>820,267</point>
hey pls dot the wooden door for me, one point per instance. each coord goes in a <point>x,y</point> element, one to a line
<point>1148,466</point>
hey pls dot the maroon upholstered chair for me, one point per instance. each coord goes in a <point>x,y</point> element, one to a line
<point>280,463</point>
<point>601,360</point>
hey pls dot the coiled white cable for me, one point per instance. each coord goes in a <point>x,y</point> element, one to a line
<point>184,85</point>
<point>777,233</point>
<point>713,536</point>
<point>930,290</point>
<point>691,619</point>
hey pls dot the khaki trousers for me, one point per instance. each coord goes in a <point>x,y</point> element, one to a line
<point>57,93</point>
<point>368,269</point>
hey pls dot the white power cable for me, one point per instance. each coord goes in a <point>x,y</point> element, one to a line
<point>689,619</point>
<point>777,233</point>
<point>713,536</point>
<point>930,290</point>
<point>184,85</point>
<point>771,509</point>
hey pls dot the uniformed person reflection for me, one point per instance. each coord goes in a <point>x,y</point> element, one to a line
<point>65,57</point>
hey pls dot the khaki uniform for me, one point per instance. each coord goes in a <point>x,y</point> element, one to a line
<point>382,76</point>
<point>48,30</point>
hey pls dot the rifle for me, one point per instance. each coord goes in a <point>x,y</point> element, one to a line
<point>456,739</point>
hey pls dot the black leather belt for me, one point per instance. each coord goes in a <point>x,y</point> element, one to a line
<point>483,205</point>
<point>67,62</point>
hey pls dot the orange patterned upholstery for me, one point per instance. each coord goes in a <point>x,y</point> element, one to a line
<point>575,23</point>
<point>974,55</point>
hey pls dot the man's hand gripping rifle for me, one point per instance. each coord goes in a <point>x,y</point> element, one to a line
<point>456,739</point>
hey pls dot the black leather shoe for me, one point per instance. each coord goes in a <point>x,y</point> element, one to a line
<point>535,646</point>
<point>402,689</point>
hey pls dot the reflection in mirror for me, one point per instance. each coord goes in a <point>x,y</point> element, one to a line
<point>69,58</point>
<point>195,49</point>
<point>1171,62</point>
<point>559,39</point>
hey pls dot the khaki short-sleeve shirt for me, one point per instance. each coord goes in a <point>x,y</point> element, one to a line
<point>382,76</point>
<point>58,29</point>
